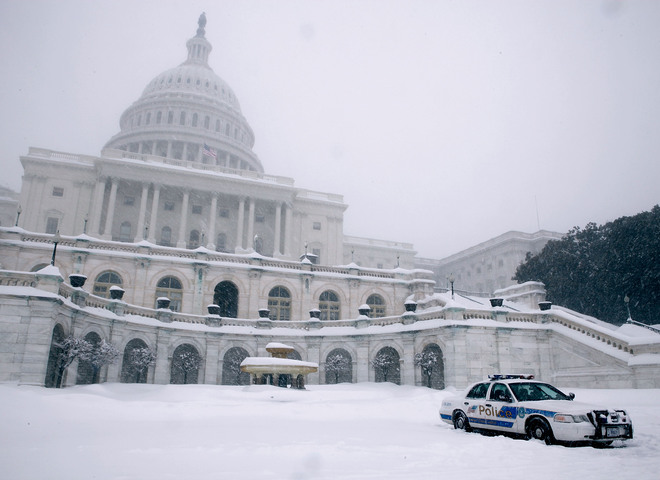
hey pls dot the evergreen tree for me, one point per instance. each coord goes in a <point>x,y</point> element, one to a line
<point>591,270</point>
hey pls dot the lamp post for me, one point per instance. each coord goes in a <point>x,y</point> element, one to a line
<point>56,240</point>
<point>451,281</point>
<point>85,220</point>
<point>18,214</point>
<point>626,300</point>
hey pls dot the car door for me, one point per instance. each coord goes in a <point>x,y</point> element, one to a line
<point>473,404</point>
<point>500,411</point>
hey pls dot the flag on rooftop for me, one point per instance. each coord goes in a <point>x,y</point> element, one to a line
<point>208,151</point>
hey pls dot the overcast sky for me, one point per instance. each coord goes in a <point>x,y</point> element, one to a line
<point>443,123</point>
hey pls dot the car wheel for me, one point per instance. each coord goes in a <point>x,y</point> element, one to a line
<point>539,429</point>
<point>461,422</point>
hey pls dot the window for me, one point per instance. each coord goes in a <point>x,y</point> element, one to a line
<point>207,122</point>
<point>125,232</point>
<point>129,200</point>
<point>316,256</point>
<point>51,225</point>
<point>182,118</point>
<point>170,287</point>
<point>104,281</point>
<point>194,120</point>
<point>170,117</point>
<point>197,209</point>
<point>168,206</point>
<point>223,212</point>
<point>58,192</point>
<point>259,218</point>
<point>147,121</point>
<point>377,305</point>
<point>329,305</point>
<point>221,244</point>
<point>478,391</point>
<point>139,120</point>
<point>279,304</point>
<point>217,125</point>
<point>193,239</point>
<point>159,117</point>
<point>166,236</point>
<point>500,393</point>
<point>316,225</point>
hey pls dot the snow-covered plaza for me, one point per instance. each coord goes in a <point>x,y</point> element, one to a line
<point>348,431</point>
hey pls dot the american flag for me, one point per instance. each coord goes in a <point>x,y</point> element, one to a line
<point>208,151</point>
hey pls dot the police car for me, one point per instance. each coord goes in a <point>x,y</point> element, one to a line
<point>519,405</point>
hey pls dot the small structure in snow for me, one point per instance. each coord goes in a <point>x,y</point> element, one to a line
<point>278,369</point>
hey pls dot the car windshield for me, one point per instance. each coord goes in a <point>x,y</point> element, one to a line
<point>526,392</point>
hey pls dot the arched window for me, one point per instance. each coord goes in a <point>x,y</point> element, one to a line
<point>104,281</point>
<point>147,121</point>
<point>221,243</point>
<point>159,117</point>
<point>225,296</point>
<point>170,117</point>
<point>338,367</point>
<point>137,359</point>
<point>171,288</point>
<point>54,369</point>
<point>87,372</point>
<point>279,304</point>
<point>39,266</point>
<point>193,239</point>
<point>432,366</point>
<point>125,232</point>
<point>194,120</point>
<point>207,122</point>
<point>166,236</point>
<point>186,362</point>
<point>377,305</point>
<point>217,125</point>
<point>182,118</point>
<point>231,367</point>
<point>329,305</point>
<point>386,366</point>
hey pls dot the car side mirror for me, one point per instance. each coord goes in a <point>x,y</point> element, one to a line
<point>571,395</point>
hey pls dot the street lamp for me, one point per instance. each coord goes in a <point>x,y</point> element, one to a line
<point>56,240</point>
<point>451,281</point>
<point>18,214</point>
<point>626,300</point>
<point>86,219</point>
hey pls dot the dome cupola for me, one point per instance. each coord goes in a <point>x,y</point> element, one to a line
<point>188,113</point>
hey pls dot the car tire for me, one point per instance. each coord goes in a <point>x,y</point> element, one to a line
<point>539,429</point>
<point>461,422</point>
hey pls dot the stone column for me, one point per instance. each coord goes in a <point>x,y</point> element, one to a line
<point>154,215</point>
<point>181,239</point>
<point>362,361</point>
<point>162,369</point>
<point>407,364</point>
<point>97,207</point>
<point>143,210</point>
<point>213,214</point>
<point>288,228</point>
<point>211,362</point>
<point>250,231</point>
<point>239,229</point>
<point>107,231</point>
<point>278,230</point>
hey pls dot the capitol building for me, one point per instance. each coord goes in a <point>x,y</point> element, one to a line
<point>176,240</point>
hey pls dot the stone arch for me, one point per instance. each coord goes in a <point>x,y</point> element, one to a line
<point>225,295</point>
<point>387,366</point>
<point>231,372</point>
<point>88,373</point>
<point>133,366</point>
<point>54,368</point>
<point>432,367</point>
<point>186,365</point>
<point>338,367</point>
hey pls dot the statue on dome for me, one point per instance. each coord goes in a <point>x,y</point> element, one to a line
<point>202,23</point>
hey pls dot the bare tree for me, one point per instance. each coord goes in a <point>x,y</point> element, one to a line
<point>386,364</point>
<point>99,355</point>
<point>185,363</point>
<point>428,360</point>
<point>67,351</point>
<point>336,364</point>
<point>139,360</point>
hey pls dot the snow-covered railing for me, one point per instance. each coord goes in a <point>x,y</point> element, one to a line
<point>17,279</point>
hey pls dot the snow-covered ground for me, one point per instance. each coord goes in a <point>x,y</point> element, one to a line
<point>365,431</point>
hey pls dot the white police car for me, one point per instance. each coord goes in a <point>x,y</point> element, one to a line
<point>519,405</point>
